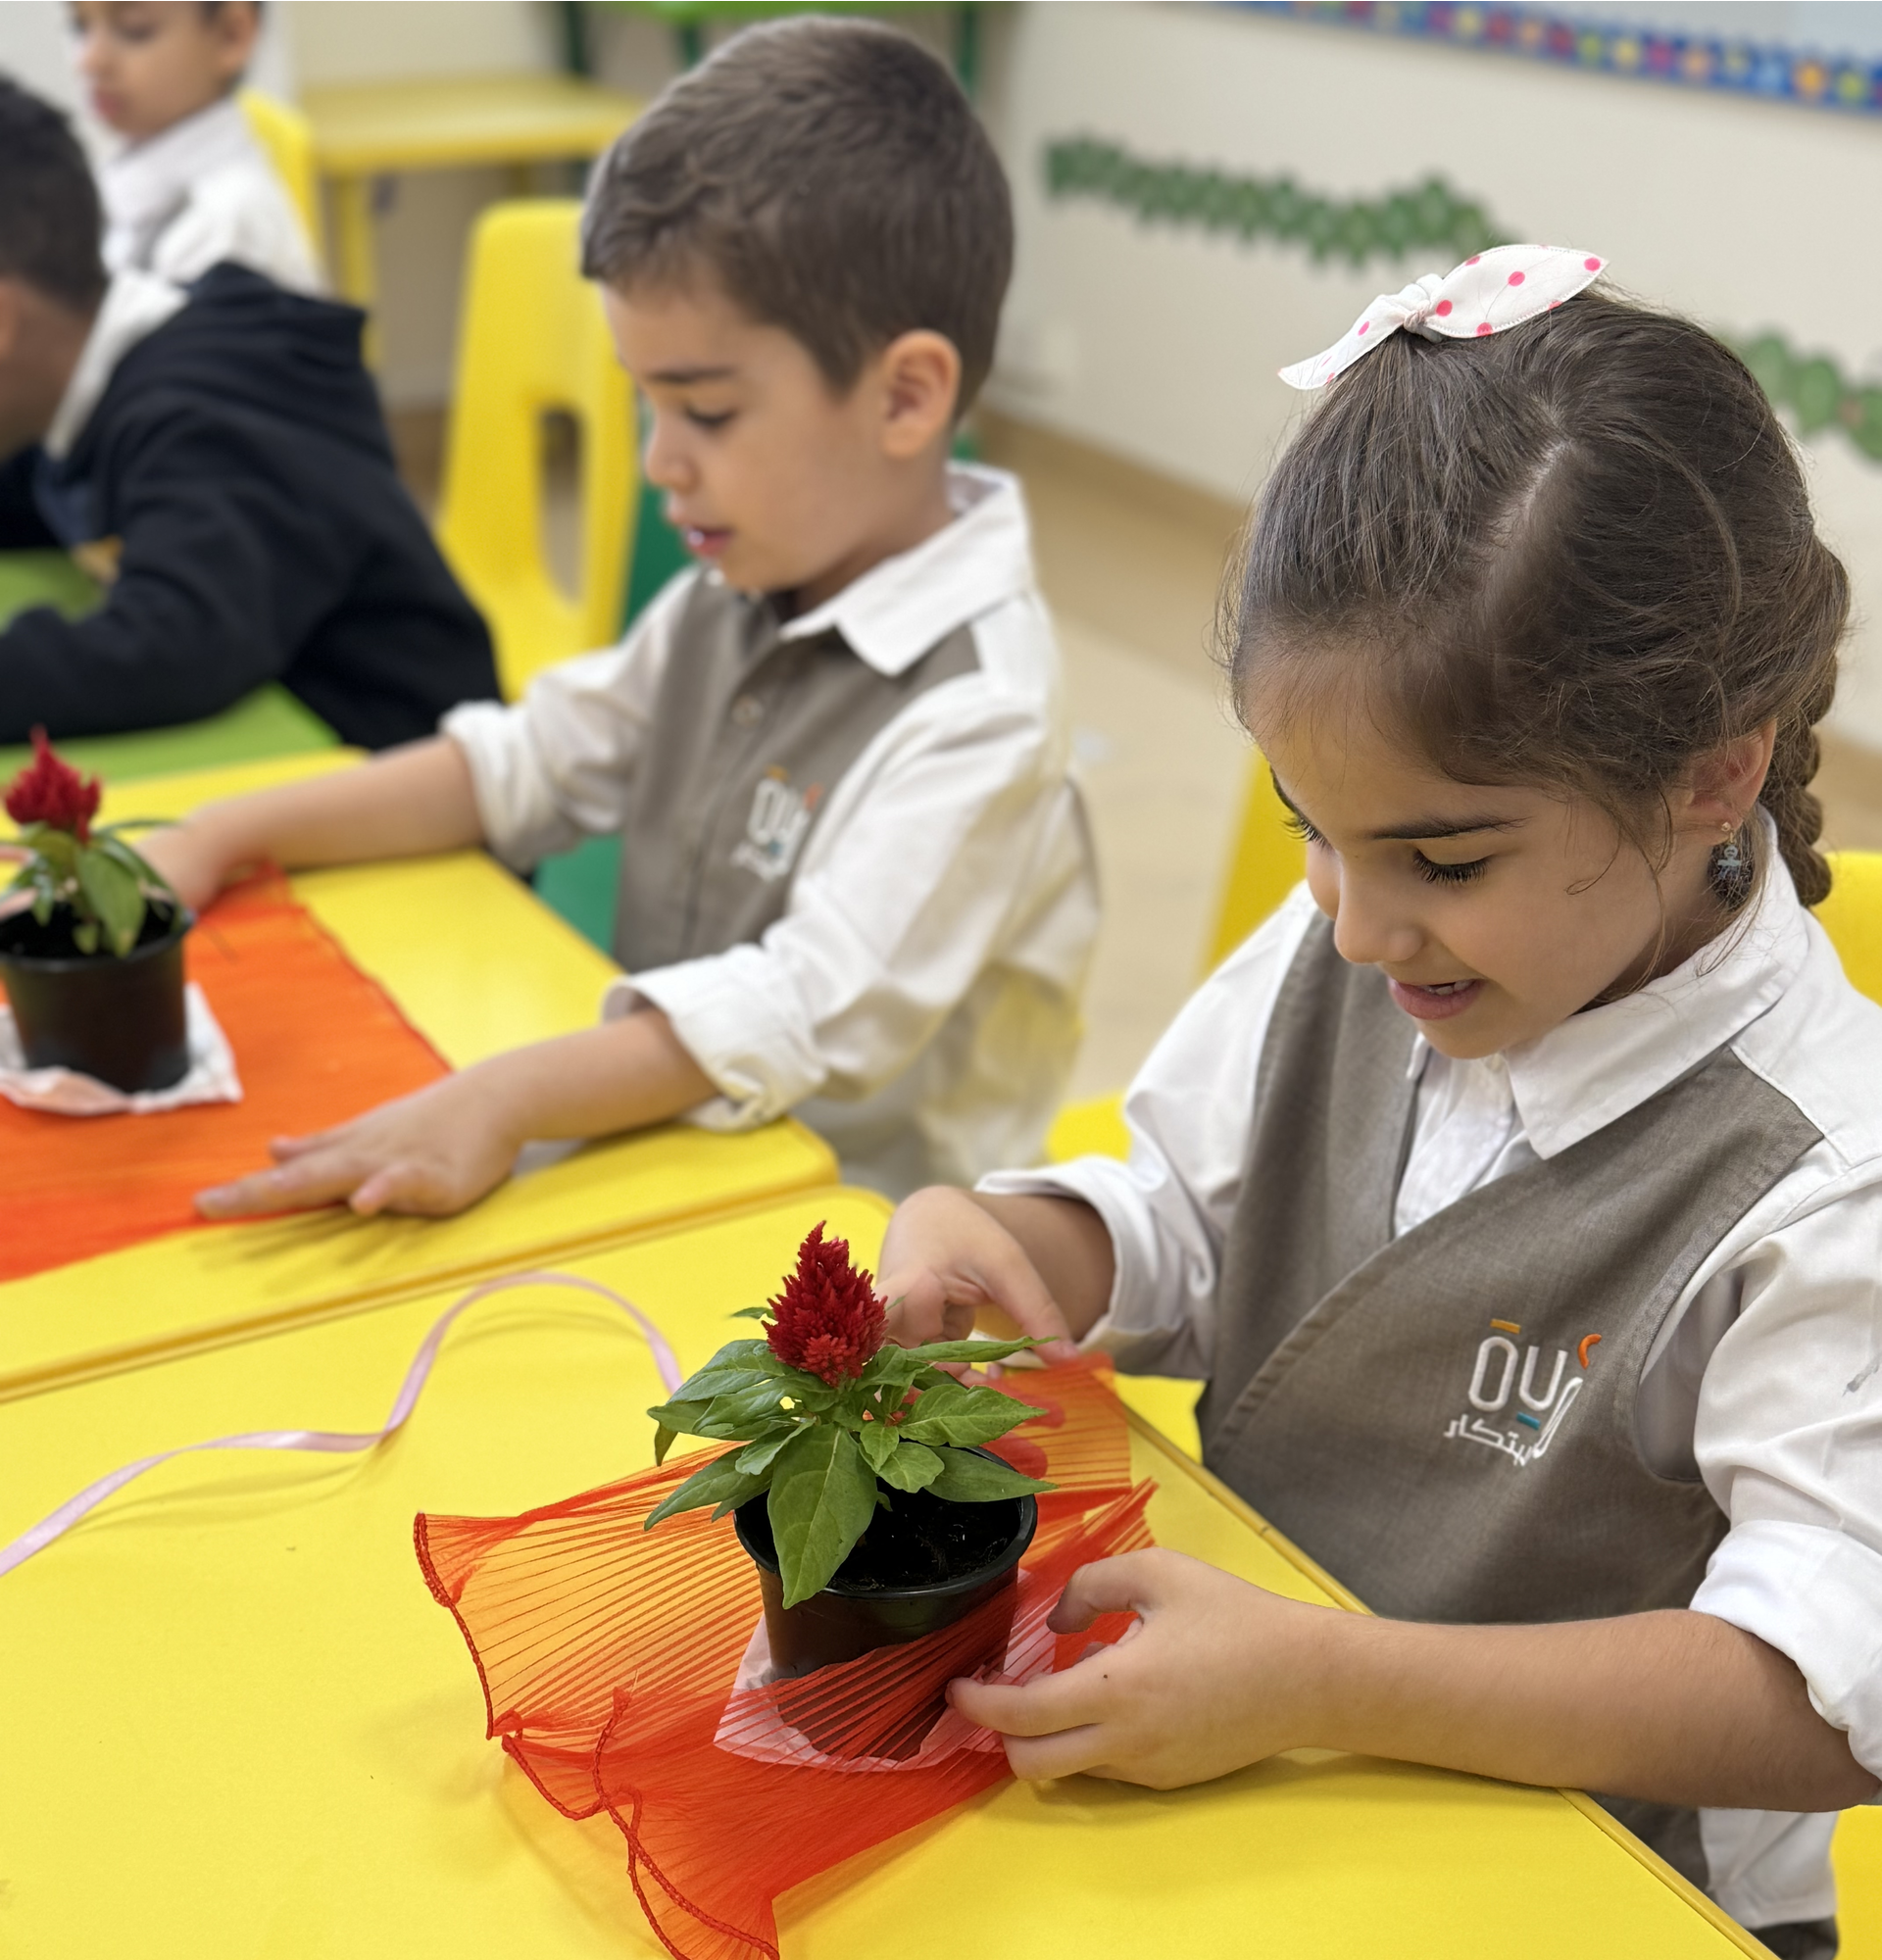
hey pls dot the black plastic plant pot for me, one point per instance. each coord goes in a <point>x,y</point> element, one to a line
<point>859,1613</point>
<point>119,1020</point>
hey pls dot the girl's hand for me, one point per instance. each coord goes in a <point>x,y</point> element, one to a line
<point>1215,1674</point>
<point>947,1264</point>
<point>430,1153</point>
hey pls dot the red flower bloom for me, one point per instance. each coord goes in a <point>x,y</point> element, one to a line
<point>828,1319</point>
<point>49,791</point>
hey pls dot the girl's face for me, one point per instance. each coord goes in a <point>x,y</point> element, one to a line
<point>1494,912</point>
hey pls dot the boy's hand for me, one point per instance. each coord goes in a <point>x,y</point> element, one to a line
<point>194,866</point>
<point>1215,1674</point>
<point>947,1264</point>
<point>432,1154</point>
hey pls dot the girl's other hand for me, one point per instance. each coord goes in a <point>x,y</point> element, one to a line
<point>948,1265</point>
<point>1217,1673</point>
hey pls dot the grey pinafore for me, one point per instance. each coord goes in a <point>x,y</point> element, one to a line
<point>1445,1419</point>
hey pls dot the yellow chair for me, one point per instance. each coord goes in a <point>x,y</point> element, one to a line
<point>287,140</point>
<point>534,341</point>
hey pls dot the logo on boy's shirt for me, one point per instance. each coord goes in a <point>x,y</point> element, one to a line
<point>774,830</point>
<point>1525,1431</point>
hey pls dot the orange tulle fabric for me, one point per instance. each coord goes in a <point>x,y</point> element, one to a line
<point>315,1040</point>
<point>610,1659</point>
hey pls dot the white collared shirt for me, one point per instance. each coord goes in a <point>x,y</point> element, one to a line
<point>136,303</point>
<point>199,193</point>
<point>917,1001</point>
<point>1766,1375</point>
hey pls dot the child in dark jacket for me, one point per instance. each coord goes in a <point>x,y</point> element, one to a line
<point>217,453</point>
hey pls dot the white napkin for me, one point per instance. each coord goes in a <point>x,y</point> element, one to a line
<point>64,1092</point>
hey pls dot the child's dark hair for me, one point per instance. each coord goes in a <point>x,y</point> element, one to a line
<point>833,177</point>
<point>49,216</point>
<point>1577,553</point>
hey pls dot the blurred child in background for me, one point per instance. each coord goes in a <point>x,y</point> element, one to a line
<point>188,188</point>
<point>218,455</point>
<point>856,880</point>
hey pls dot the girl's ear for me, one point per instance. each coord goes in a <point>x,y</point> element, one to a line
<point>920,380</point>
<point>1721,787</point>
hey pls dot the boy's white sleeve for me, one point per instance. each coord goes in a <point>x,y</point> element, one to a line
<point>1789,1441</point>
<point>1189,1112</point>
<point>558,765</point>
<point>240,212</point>
<point>945,848</point>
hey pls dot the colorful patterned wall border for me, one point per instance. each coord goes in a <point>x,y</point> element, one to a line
<point>1688,61</point>
<point>1430,215</point>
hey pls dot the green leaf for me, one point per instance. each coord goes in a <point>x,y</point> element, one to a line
<point>980,1352</point>
<point>663,1441</point>
<point>979,1480</point>
<point>114,897</point>
<point>879,1441</point>
<point>965,1416</point>
<point>911,1466</point>
<point>681,1417</point>
<point>720,1484</point>
<point>85,936</point>
<point>758,1456</point>
<point>823,1499</point>
<point>750,1314</point>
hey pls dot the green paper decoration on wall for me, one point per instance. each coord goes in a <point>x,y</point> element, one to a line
<point>1426,215</point>
<point>1430,216</point>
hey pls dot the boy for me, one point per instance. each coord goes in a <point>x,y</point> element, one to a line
<point>856,879</point>
<point>218,454</point>
<point>191,188</point>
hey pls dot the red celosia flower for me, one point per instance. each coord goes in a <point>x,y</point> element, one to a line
<point>828,1320</point>
<point>49,791</point>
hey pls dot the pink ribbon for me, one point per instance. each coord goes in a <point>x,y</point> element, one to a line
<point>336,1441</point>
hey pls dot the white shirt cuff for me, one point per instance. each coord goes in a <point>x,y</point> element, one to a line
<point>1816,1596</point>
<point>732,1018</point>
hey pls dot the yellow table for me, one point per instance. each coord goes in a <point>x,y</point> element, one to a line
<point>368,130</point>
<point>238,1724</point>
<point>478,966</point>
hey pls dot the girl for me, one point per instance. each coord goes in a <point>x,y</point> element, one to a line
<point>1517,1187</point>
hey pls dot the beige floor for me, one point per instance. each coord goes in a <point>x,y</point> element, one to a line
<point>1131,564</point>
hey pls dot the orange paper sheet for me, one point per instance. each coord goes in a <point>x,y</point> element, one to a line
<point>316,1042</point>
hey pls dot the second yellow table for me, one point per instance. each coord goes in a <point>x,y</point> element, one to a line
<point>478,966</point>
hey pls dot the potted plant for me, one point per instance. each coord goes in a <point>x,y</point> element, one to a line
<point>861,1493</point>
<point>93,964</point>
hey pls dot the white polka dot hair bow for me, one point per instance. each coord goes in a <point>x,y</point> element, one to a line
<point>1489,292</point>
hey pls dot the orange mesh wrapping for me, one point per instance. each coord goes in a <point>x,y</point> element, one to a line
<point>608,1657</point>
<point>316,1042</point>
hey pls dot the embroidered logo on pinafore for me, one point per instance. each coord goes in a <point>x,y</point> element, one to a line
<point>774,830</point>
<point>1501,1368</point>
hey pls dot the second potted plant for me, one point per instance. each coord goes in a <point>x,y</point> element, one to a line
<point>93,963</point>
<point>863,1493</point>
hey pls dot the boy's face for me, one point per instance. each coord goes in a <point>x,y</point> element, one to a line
<point>769,474</point>
<point>151,63</point>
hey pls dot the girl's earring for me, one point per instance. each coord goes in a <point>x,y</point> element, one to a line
<point>1731,871</point>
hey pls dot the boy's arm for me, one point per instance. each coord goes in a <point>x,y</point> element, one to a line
<point>444,1148</point>
<point>403,804</point>
<point>1674,1707</point>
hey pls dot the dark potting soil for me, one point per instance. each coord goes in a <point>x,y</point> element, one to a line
<point>920,1540</point>
<point>26,938</point>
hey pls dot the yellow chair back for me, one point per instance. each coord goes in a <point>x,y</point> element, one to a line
<point>287,140</point>
<point>1269,860</point>
<point>532,340</point>
<point>1851,915</point>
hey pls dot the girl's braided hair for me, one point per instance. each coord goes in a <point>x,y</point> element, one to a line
<point>1579,554</point>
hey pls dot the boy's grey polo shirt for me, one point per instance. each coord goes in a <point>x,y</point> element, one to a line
<point>915,999</point>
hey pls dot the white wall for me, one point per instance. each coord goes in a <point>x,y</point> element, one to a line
<point>1163,344</point>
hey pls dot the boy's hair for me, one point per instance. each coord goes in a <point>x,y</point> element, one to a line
<point>49,215</point>
<point>833,177</point>
<point>1578,553</point>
